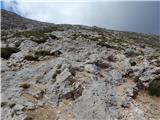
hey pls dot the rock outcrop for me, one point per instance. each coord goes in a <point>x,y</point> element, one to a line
<point>78,73</point>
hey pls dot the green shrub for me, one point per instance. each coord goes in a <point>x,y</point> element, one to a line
<point>31,58</point>
<point>4,38</point>
<point>7,52</point>
<point>75,36</point>
<point>5,35</point>
<point>103,44</point>
<point>25,85</point>
<point>42,53</point>
<point>38,40</point>
<point>39,33</point>
<point>154,87</point>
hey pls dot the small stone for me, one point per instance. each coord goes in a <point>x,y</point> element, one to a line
<point>115,76</point>
<point>53,36</point>
<point>111,58</point>
<point>102,64</point>
<point>19,107</point>
<point>55,52</point>
<point>131,53</point>
<point>11,105</point>
<point>26,117</point>
<point>125,103</point>
<point>91,68</point>
<point>156,71</point>
<point>132,91</point>
<point>39,94</point>
<point>132,62</point>
<point>65,75</point>
<point>30,106</point>
<point>40,103</point>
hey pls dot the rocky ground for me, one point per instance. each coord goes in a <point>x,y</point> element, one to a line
<point>65,72</point>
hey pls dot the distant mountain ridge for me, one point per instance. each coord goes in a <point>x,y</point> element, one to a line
<point>10,20</point>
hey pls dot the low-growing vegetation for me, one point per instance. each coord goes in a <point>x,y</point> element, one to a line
<point>39,40</point>
<point>122,37</point>
<point>6,35</point>
<point>37,35</point>
<point>154,87</point>
<point>37,32</point>
<point>7,52</point>
<point>42,53</point>
<point>31,58</point>
<point>25,85</point>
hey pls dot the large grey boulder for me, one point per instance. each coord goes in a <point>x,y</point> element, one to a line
<point>97,102</point>
<point>148,75</point>
<point>27,45</point>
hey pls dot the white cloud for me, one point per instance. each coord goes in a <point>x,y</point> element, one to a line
<point>57,12</point>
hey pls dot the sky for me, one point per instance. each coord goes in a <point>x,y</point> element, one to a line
<point>134,16</point>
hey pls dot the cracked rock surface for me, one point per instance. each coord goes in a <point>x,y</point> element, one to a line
<point>79,73</point>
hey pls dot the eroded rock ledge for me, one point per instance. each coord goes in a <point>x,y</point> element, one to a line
<point>80,73</point>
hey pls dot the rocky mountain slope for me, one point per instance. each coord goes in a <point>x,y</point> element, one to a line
<point>11,20</point>
<point>73,72</point>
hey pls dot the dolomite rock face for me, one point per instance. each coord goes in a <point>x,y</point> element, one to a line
<point>79,73</point>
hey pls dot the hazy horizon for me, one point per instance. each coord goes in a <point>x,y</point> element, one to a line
<point>130,16</point>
